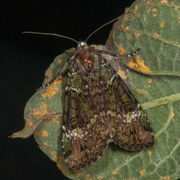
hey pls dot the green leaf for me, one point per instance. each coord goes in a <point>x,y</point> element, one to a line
<point>153,26</point>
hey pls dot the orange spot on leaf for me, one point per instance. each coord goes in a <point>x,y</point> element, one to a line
<point>121,50</point>
<point>59,61</point>
<point>142,172</point>
<point>52,89</point>
<point>117,169</point>
<point>149,153</point>
<point>100,177</point>
<point>122,74</point>
<point>51,153</point>
<point>172,114</point>
<point>39,113</point>
<point>164,1</point>
<point>87,176</point>
<point>157,35</point>
<point>137,34</point>
<point>61,157</point>
<point>126,28</point>
<point>43,105</point>
<point>55,158</point>
<point>48,73</point>
<point>139,65</point>
<point>161,25</point>
<point>59,166</point>
<point>44,134</point>
<point>154,10</point>
<point>121,26</point>
<point>149,81</point>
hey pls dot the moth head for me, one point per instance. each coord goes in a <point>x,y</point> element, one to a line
<point>86,58</point>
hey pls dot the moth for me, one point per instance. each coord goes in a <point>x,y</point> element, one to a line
<point>98,109</point>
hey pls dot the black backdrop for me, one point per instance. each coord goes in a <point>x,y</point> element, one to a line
<point>23,61</point>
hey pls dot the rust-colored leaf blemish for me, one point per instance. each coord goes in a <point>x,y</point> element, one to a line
<point>29,122</point>
<point>155,34</point>
<point>87,176</point>
<point>70,50</point>
<point>176,8</point>
<point>117,169</point>
<point>165,178</point>
<point>122,74</point>
<point>52,153</point>
<point>121,26</point>
<point>52,89</point>
<point>149,83</point>
<point>154,10</point>
<point>55,158</point>
<point>164,1</point>
<point>142,172</point>
<point>130,36</point>
<point>48,73</point>
<point>59,61</point>
<point>39,113</point>
<point>100,177</point>
<point>161,25</point>
<point>149,153</point>
<point>45,146</point>
<point>121,50</point>
<point>126,28</point>
<point>114,172</point>
<point>137,34</point>
<point>44,134</point>
<point>139,65</point>
<point>125,17</point>
<point>59,166</point>
<point>43,105</point>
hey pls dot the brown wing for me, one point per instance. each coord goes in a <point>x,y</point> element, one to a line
<point>132,128</point>
<point>87,125</point>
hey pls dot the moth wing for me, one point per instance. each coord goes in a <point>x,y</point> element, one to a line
<point>86,133</point>
<point>132,128</point>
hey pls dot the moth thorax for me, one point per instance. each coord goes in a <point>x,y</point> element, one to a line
<point>86,58</point>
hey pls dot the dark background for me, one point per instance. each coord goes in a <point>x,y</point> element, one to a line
<point>23,61</point>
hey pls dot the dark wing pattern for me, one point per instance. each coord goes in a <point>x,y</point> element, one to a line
<point>133,130</point>
<point>86,122</point>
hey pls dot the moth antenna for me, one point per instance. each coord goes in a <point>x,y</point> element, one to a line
<point>101,28</point>
<point>51,34</point>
